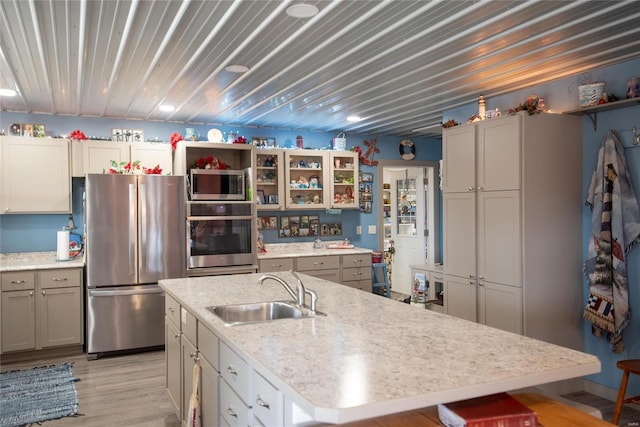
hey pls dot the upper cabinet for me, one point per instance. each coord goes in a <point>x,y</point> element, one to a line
<point>96,156</point>
<point>307,178</point>
<point>270,179</point>
<point>344,179</point>
<point>35,175</point>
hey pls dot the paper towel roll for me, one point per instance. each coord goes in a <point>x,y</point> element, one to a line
<point>62,253</point>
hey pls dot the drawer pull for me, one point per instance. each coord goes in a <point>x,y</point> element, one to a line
<point>357,261</point>
<point>59,279</point>
<point>195,356</point>
<point>44,293</point>
<point>232,370</point>
<point>318,263</point>
<point>30,293</point>
<point>172,310</point>
<point>231,412</point>
<point>276,265</point>
<point>18,282</point>
<point>178,335</point>
<point>262,403</point>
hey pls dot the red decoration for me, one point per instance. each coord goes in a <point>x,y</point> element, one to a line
<point>240,140</point>
<point>175,138</point>
<point>78,135</point>
<point>209,162</point>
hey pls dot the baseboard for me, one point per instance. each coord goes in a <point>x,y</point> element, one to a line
<point>600,390</point>
<point>27,356</point>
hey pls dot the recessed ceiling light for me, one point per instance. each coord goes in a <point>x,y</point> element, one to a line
<point>7,92</point>
<point>302,10</point>
<point>354,118</point>
<point>236,68</point>
<point>167,107</point>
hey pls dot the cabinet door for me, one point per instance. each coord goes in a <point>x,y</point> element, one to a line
<point>208,395</point>
<point>459,159</point>
<point>460,297</point>
<point>276,264</point>
<point>96,156</point>
<point>18,321</point>
<point>172,364</point>
<point>344,180</point>
<point>459,223</point>
<point>270,179</point>
<point>500,306</point>
<point>44,186</point>
<point>59,317</point>
<point>499,239</point>
<point>151,154</point>
<point>499,154</point>
<point>307,180</point>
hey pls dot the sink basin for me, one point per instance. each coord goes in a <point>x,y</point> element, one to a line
<point>238,314</point>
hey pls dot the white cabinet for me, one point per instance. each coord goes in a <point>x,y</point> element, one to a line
<point>308,179</point>
<point>96,156</point>
<point>41,309</point>
<point>357,271</point>
<point>35,175</point>
<point>270,182</point>
<point>344,180</point>
<point>512,235</point>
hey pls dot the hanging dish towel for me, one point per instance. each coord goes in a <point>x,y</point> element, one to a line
<point>193,416</point>
<point>615,230</point>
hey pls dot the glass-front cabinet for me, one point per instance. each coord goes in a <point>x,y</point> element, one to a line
<point>307,178</point>
<point>406,202</point>
<point>344,180</point>
<point>270,179</point>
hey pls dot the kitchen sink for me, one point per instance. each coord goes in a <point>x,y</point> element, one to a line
<point>240,314</point>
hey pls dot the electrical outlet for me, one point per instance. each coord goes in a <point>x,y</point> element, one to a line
<point>372,229</point>
<point>359,229</point>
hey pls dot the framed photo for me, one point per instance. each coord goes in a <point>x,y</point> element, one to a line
<point>272,199</point>
<point>260,197</point>
<point>366,177</point>
<point>263,141</point>
<point>127,135</point>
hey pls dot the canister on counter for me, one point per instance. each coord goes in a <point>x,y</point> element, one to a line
<point>376,256</point>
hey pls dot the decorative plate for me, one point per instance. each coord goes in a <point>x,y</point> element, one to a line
<point>214,135</point>
<point>407,149</point>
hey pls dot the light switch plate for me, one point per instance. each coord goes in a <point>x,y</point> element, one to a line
<point>372,229</point>
<point>359,229</point>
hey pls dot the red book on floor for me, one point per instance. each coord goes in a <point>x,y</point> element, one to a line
<point>496,410</point>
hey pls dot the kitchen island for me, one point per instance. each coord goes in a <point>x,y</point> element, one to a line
<point>370,356</point>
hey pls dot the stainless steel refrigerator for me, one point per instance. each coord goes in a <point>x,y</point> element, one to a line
<point>135,236</point>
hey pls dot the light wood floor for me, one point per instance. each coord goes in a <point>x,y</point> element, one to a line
<point>129,391</point>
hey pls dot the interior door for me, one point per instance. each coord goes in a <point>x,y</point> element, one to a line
<point>407,225</point>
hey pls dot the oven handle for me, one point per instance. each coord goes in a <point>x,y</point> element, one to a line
<point>117,293</point>
<point>217,218</point>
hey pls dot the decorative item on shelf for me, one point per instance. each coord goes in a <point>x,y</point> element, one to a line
<point>209,162</point>
<point>263,142</point>
<point>299,142</point>
<point>633,87</point>
<point>531,105</point>
<point>340,142</point>
<point>240,140</point>
<point>174,139</point>
<point>77,135</point>
<point>450,123</point>
<point>590,94</point>
<point>482,107</point>
<point>133,168</point>
<point>127,135</point>
<point>366,158</point>
<point>192,134</point>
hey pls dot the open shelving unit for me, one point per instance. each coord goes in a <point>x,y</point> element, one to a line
<point>592,112</point>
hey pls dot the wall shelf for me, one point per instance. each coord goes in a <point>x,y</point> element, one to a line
<point>592,112</point>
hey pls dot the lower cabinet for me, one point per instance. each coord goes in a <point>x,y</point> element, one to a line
<point>41,309</point>
<point>271,265</point>
<point>323,267</point>
<point>500,306</point>
<point>356,271</point>
<point>460,297</point>
<point>183,335</point>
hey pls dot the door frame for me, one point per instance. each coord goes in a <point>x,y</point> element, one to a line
<point>432,173</point>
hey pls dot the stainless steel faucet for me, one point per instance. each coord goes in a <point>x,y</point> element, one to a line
<point>299,295</point>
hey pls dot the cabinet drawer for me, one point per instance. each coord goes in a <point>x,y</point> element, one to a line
<point>60,278</point>
<point>363,285</point>
<point>318,263</point>
<point>350,274</point>
<point>208,346</point>
<point>172,309</point>
<point>276,264</point>
<point>18,280</point>
<point>359,260</point>
<point>189,326</point>
<point>268,406</point>
<point>236,372</point>
<point>232,409</point>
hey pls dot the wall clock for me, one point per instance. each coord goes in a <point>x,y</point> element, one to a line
<point>407,149</point>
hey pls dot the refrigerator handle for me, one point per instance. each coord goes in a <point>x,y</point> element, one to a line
<point>143,228</point>
<point>132,229</point>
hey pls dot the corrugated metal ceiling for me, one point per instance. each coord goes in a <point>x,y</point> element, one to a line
<point>397,64</point>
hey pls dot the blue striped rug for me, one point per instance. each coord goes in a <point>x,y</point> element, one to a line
<point>36,395</point>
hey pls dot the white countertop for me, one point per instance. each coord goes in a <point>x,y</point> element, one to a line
<point>18,261</point>
<point>370,355</point>
<point>288,250</point>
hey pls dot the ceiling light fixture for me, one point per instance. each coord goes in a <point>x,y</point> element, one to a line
<point>8,92</point>
<point>302,10</point>
<point>167,107</point>
<point>236,68</point>
<point>354,118</point>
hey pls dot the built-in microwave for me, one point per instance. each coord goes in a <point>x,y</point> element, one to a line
<point>217,184</point>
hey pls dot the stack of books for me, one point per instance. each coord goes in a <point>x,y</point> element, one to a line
<point>496,410</point>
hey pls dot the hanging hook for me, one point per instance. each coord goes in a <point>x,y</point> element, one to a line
<point>636,137</point>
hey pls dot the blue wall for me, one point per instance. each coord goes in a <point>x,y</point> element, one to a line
<point>560,96</point>
<point>31,233</point>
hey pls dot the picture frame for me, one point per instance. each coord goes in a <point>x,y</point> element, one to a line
<point>366,177</point>
<point>34,130</point>
<point>268,223</point>
<point>127,135</point>
<point>260,197</point>
<point>263,141</point>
